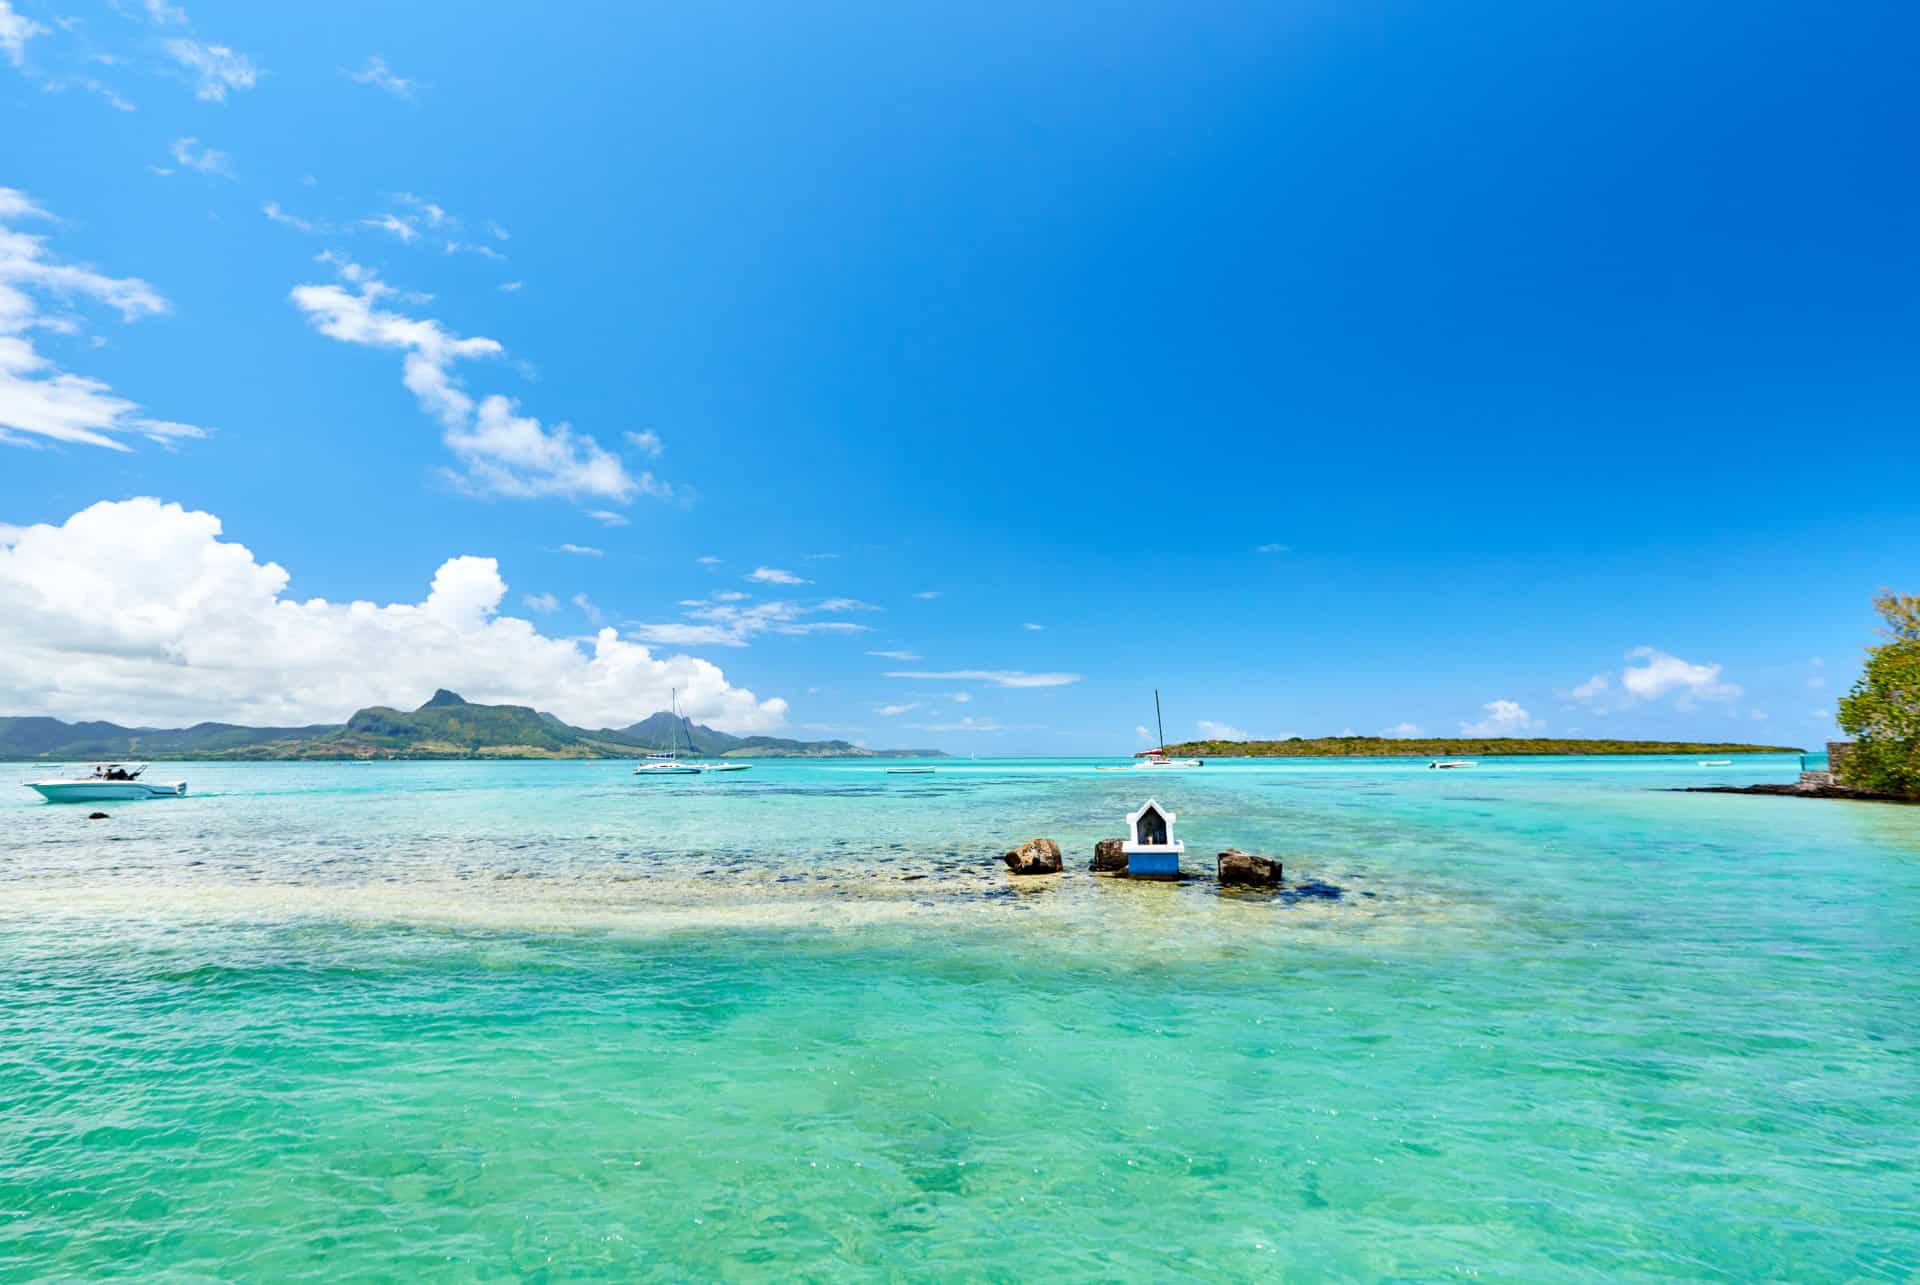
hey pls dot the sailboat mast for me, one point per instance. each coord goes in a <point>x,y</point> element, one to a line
<point>1162,727</point>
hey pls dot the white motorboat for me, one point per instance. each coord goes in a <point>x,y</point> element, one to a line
<point>1444,764</point>
<point>910,771</point>
<point>1716,762</point>
<point>107,783</point>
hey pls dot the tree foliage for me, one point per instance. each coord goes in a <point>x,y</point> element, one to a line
<point>1882,712</point>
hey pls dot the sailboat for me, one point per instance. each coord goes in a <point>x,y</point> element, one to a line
<point>667,762</point>
<point>1154,760</point>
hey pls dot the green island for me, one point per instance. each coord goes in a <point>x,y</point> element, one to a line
<point>1453,747</point>
<point>446,727</point>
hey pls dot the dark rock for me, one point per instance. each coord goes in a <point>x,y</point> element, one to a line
<point>1244,870</point>
<point>96,816</point>
<point>1034,857</point>
<point>1108,856</point>
<point>1801,791</point>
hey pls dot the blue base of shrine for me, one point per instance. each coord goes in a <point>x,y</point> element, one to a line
<point>1153,863</point>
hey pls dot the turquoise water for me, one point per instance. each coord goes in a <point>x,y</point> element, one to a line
<point>1541,1020</point>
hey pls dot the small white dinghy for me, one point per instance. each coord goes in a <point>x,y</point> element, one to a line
<point>107,783</point>
<point>1444,764</point>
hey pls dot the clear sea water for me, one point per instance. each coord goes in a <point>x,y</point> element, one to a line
<point>1542,1020</point>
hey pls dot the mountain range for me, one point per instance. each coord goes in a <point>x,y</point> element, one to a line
<point>445,727</point>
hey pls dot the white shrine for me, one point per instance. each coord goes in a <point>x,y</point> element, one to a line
<point>1152,851</point>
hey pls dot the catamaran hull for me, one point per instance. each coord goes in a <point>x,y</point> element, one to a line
<point>104,791</point>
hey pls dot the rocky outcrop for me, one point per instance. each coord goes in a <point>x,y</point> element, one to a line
<point>1244,870</point>
<point>1034,857</point>
<point>1109,856</point>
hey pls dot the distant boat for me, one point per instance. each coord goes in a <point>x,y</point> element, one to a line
<point>911,771</point>
<point>667,762</point>
<point>1716,762</point>
<point>107,782</point>
<point>1444,764</point>
<point>1154,760</point>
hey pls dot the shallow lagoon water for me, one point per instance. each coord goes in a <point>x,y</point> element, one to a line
<point>1540,1020</point>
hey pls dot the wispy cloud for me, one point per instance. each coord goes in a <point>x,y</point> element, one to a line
<point>501,452</point>
<point>394,224</point>
<point>375,72</point>
<point>998,677</point>
<point>544,603</point>
<point>928,594</point>
<point>201,160</point>
<point>1220,731</point>
<point>215,69</point>
<point>607,517</point>
<point>896,655</point>
<point>647,443</point>
<point>1402,730</point>
<point>274,212</point>
<point>583,550</point>
<point>894,711</point>
<point>510,287</point>
<point>774,575</point>
<point>37,398</point>
<point>721,621</point>
<point>1031,626</point>
<point>707,560</point>
<point>964,725</point>
<point>1272,548</point>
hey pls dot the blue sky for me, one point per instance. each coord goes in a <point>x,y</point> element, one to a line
<point>1327,367</point>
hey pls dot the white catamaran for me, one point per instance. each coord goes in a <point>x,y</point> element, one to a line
<point>1154,760</point>
<point>667,762</point>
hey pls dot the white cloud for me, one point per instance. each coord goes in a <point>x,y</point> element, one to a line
<point>37,398</point>
<point>964,725</point>
<point>1816,681</point>
<point>1220,731</point>
<point>960,698</point>
<point>1033,627</point>
<point>894,711</point>
<point>216,68</point>
<point>1661,673</point>
<point>928,594</point>
<point>1272,548</point>
<point>136,611</point>
<point>375,72</point>
<point>162,14</point>
<point>204,161</point>
<point>395,224</point>
<point>585,550</point>
<point>647,443</point>
<point>708,560</point>
<point>607,517</point>
<point>509,287</point>
<point>1504,718</point>
<point>896,655</point>
<point>273,211</point>
<point>720,623</point>
<point>593,614</point>
<point>500,451</point>
<point>774,575</point>
<point>499,233</point>
<point>1823,713</point>
<point>998,677</point>
<point>15,31</point>
<point>1591,690</point>
<point>544,603</point>
<point>1402,730</point>
<point>1143,733</point>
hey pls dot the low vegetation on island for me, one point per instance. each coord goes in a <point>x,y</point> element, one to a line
<point>1882,712</point>
<point>445,727</point>
<point>1453,747</point>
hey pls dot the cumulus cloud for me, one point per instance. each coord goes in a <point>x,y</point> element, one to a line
<point>1402,730</point>
<point>998,677</point>
<point>501,452</point>
<point>1503,718</point>
<point>15,31</point>
<point>375,72</point>
<point>1659,673</point>
<point>37,398</point>
<point>137,611</point>
<point>774,575</point>
<point>1220,731</point>
<point>215,69</point>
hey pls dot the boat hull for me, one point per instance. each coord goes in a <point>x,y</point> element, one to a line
<point>105,791</point>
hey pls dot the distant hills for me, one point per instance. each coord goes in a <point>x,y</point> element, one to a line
<point>1454,747</point>
<point>445,727</point>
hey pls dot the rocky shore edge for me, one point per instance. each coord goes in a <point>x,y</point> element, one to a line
<point>1797,792</point>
